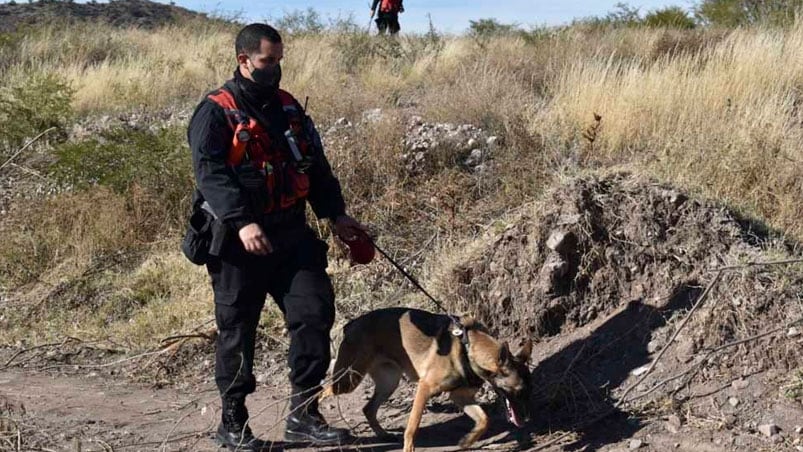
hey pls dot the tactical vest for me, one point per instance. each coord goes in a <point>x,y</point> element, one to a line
<point>285,178</point>
<point>390,6</point>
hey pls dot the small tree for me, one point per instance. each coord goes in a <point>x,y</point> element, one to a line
<point>735,13</point>
<point>670,17</point>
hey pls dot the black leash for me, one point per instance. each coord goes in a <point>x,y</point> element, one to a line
<point>460,331</point>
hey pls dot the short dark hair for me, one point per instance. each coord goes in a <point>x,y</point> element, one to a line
<point>249,39</point>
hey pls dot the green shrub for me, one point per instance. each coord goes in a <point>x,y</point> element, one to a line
<point>669,17</point>
<point>735,13</point>
<point>300,22</point>
<point>26,109</point>
<point>156,163</point>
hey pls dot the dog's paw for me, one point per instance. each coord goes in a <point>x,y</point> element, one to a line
<point>467,441</point>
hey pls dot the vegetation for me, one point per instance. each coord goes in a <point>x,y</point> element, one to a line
<point>714,111</point>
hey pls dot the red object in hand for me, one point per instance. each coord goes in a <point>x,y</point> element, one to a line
<point>361,249</point>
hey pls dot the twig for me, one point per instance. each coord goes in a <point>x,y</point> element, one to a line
<point>20,352</point>
<point>757,264</point>
<point>699,302</point>
<point>184,337</point>
<point>113,363</point>
<point>28,144</point>
<point>695,367</point>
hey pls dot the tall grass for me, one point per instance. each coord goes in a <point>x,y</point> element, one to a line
<point>714,111</point>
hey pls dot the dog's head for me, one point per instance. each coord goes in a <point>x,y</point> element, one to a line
<point>506,371</point>
<point>512,382</point>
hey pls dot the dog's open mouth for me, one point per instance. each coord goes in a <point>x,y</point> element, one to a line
<point>512,416</point>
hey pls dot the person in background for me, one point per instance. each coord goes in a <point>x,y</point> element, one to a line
<point>388,17</point>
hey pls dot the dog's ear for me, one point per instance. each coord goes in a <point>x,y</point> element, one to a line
<point>504,354</point>
<point>523,353</point>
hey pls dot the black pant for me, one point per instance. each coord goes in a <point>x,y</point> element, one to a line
<point>388,22</point>
<point>295,277</point>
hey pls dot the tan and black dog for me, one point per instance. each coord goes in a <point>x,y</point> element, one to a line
<point>425,347</point>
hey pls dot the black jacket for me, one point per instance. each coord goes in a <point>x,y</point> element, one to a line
<point>210,137</point>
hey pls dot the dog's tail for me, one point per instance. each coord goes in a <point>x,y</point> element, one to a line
<point>351,365</point>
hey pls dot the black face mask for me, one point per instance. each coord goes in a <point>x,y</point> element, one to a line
<point>268,77</point>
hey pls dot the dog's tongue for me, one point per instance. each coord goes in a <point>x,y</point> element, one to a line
<point>511,414</point>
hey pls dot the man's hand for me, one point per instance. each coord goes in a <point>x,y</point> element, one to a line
<point>254,240</point>
<point>348,228</point>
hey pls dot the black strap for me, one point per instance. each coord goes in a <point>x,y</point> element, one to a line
<point>458,326</point>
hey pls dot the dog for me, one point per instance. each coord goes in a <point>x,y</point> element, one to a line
<point>441,355</point>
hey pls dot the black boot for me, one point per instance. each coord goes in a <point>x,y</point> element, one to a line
<point>305,423</point>
<point>233,431</point>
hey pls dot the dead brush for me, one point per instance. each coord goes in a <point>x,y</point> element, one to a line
<point>590,134</point>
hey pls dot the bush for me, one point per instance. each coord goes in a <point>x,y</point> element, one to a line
<point>300,22</point>
<point>156,163</point>
<point>669,17</point>
<point>26,109</point>
<point>736,13</point>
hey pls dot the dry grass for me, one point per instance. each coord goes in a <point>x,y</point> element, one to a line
<point>716,112</point>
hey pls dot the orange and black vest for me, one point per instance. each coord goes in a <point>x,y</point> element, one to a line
<point>285,179</point>
<point>390,6</point>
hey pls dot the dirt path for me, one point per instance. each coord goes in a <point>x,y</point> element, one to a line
<point>59,412</point>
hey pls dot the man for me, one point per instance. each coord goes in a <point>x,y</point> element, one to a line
<point>258,159</point>
<point>388,17</point>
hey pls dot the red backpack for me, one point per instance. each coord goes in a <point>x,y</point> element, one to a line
<point>390,6</point>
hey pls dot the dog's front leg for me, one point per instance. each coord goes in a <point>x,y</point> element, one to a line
<point>464,398</point>
<point>422,394</point>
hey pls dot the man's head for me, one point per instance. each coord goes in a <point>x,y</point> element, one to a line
<point>259,50</point>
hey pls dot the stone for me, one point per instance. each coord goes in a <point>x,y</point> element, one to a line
<point>768,429</point>
<point>793,332</point>
<point>471,143</point>
<point>740,384</point>
<point>733,401</point>
<point>492,141</point>
<point>474,158</point>
<point>635,444</point>
<point>373,115</point>
<point>560,240</point>
<point>640,370</point>
<point>673,424</point>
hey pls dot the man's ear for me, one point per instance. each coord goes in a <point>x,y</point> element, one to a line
<point>242,58</point>
<point>525,352</point>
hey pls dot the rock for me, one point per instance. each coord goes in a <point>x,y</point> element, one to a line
<point>673,424</point>
<point>560,241</point>
<point>640,370</point>
<point>768,429</point>
<point>373,115</point>
<point>793,332</point>
<point>653,346</point>
<point>471,143</point>
<point>474,158</point>
<point>740,384</point>
<point>635,444</point>
<point>776,438</point>
<point>342,122</point>
<point>798,429</point>
<point>492,141</point>
<point>733,401</point>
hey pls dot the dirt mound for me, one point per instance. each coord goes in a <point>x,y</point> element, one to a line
<point>603,271</point>
<point>595,243</point>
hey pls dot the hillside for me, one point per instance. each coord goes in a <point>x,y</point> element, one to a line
<point>117,13</point>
